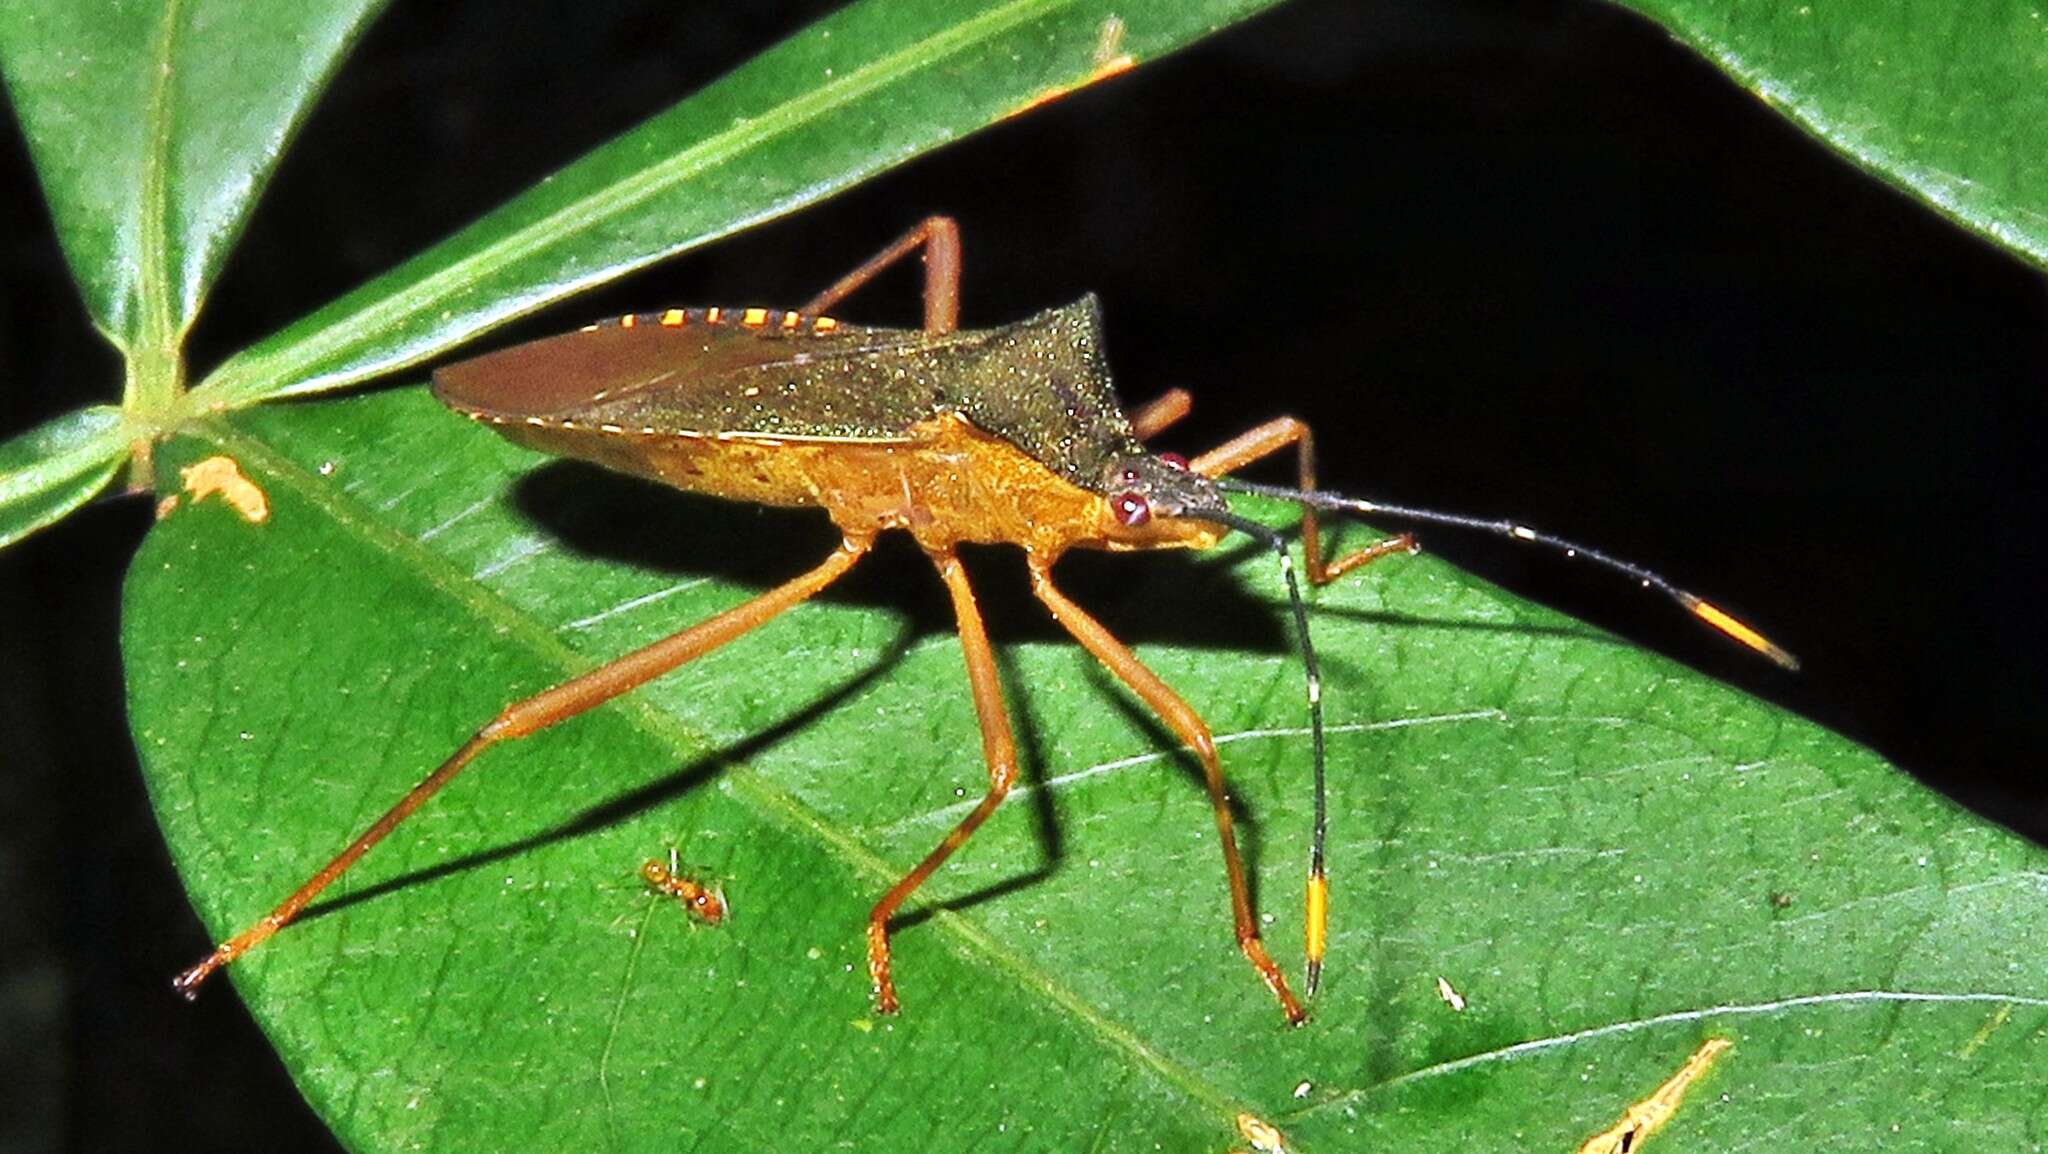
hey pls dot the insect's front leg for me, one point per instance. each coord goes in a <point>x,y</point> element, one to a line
<point>1276,436</point>
<point>1189,727</point>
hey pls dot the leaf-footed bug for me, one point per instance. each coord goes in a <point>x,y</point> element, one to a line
<point>1008,435</point>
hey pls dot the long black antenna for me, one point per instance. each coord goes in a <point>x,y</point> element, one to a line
<point>1317,919</point>
<point>1706,611</point>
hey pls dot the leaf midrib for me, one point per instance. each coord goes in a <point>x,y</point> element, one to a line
<point>769,801</point>
<point>160,327</point>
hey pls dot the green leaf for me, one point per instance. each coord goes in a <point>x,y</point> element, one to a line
<point>56,467</point>
<point>863,90</point>
<point>1609,858</point>
<point>1946,101</point>
<point>154,124</point>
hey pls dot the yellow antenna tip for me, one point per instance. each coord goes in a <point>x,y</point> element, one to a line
<point>1726,623</point>
<point>1317,928</point>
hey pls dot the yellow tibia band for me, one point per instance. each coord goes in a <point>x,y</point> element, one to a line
<point>1318,916</point>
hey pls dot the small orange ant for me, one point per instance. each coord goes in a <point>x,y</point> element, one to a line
<point>706,903</point>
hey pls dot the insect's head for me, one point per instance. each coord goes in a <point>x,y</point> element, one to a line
<point>1146,489</point>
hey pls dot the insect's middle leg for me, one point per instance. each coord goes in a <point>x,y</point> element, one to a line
<point>1276,436</point>
<point>998,748</point>
<point>940,238</point>
<point>1189,727</point>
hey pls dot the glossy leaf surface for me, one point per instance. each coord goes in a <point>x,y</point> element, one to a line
<point>861,91</point>
<point>56,467</point>
<point>1947,101</point>
<point>1609,859</point>
<point>154,124</point>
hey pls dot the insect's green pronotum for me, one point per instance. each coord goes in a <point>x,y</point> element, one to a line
<point>1010,435</point>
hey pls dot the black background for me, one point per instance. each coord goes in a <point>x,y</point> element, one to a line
<point>1509,258</point>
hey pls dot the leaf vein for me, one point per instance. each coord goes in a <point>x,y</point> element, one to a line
<point>954,811</point>
<point>1886,999</point>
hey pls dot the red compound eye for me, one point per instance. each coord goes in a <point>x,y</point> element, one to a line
<point>1175,460</point>
<point>1131,509</point>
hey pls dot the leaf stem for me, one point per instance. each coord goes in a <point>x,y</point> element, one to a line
<point>152,400</point>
